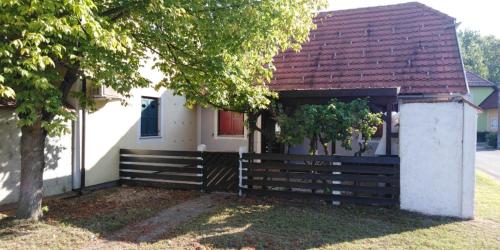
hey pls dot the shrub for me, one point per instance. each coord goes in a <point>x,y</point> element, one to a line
<point>492,139</point>
<point>481,136</point>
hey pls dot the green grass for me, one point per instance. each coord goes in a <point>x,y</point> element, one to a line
<point>487,197</point>
<point>261,224</point>
<point>279,225</point>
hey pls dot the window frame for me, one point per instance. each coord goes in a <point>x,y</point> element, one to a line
<point>216,133</point>
<point>158,117</point>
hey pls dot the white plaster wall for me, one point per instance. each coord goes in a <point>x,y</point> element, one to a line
<point>57,173</point>
<point>208,134</point>
<point>114,126</point>
<point>469,159</point>
<point>435,171</point>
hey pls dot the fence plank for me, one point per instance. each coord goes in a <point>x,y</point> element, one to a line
<point>169,185</point>
<point>336,187</point>
<point>190,162</point>
<point>330,168</point>
<point>322,176</point>
<point>161,152</point>
<point>158,168</point>
<point>326,158</point>
<point>161,176</point>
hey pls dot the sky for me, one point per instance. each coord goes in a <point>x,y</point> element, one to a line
<point>480,15</point>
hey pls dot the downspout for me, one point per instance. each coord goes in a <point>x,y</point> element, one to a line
<point>84,117</point>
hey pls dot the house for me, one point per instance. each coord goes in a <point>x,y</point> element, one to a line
<point>490,111</point>
<point>404,58</point>
<point>480,90</point>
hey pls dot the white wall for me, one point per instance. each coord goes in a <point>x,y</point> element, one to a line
<point>208,134</point>
<point>437,147</point>
<point>57,173</point>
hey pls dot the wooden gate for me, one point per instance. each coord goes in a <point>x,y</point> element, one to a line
<point>220,171</point>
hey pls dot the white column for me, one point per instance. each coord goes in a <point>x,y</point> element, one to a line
<point>437,165</point>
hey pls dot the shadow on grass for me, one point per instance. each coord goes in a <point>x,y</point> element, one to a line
<point>284,226</point>
<point>237,223</point>
<point>101,213</point>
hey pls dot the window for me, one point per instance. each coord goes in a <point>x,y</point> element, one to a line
<point>494,123</point>
<point>230,123</point>
<point>150,117</point>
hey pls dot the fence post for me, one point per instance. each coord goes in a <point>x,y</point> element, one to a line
<point>241,151</point>
<point>202,148</point>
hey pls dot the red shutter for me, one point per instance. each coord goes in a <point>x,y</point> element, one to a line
<point>230,123</point>
<point>237,119</point>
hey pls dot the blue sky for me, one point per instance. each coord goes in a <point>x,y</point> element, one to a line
<point>481,15</point>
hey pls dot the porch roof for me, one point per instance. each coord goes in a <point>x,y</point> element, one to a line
<point>378,96</point>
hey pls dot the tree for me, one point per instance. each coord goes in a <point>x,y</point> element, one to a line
<point>214,52</point>
<point>336,121</point>
<point>481,54</point>
<point>472,52</point>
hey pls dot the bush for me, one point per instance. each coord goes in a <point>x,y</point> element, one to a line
<point>492,139</point>
<point>481,136</point>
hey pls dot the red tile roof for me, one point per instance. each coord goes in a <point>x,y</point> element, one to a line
<point>474,80</point>
<point>408,45</point>
<point>491,102</point>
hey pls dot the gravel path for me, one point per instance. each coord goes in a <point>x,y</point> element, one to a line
<point>158,225</point>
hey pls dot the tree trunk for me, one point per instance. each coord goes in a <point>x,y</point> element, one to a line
<point>32,165</point>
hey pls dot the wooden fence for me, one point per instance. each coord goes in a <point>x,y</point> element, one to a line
<point>362,180</point>
<point>161,168</point>
<point>208,171</point>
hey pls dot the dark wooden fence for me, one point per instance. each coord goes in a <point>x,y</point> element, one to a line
<point>208,171</point>
<point>362,180</point>
<point>161,168</point>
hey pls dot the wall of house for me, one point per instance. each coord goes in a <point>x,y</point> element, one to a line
<point>491,119</point>
<point>207,129</point>
<point>479,94</point>
<point>482,122</point>
<point>57,173</point>
<point>114,126</point>
<point>437,148</point>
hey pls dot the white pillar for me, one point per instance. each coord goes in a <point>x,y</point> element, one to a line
<point>437,141</point>
<point>241,151</point>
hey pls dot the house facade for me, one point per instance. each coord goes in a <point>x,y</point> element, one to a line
<point>481,90</point>
<point>490,112</point>
<point>403,58</point>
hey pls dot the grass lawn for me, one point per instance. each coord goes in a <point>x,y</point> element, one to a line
<point>250,223</point>
<point>75,221</point>
<point>280,225</point>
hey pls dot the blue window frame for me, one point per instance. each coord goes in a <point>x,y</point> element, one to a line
<point>150,117</point>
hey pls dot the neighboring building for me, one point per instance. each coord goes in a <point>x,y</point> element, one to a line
<point>490,111</point>
<point>480,89</point>
<point>404,58</point>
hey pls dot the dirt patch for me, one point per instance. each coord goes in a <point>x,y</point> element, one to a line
<point>75,221</point>
<point>160,224</point>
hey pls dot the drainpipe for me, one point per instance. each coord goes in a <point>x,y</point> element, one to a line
<point>84,118</point>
